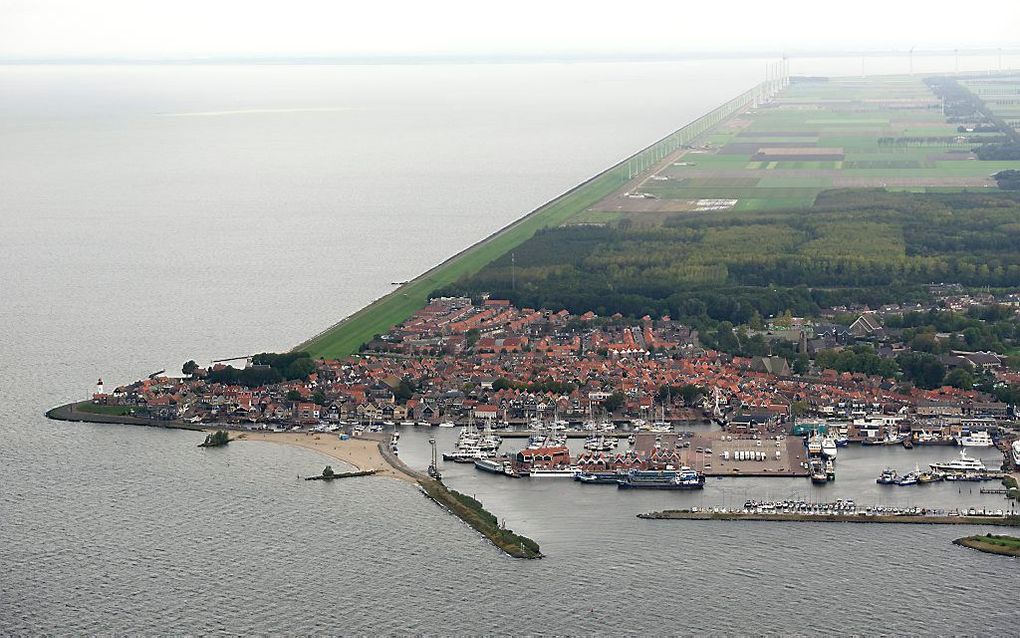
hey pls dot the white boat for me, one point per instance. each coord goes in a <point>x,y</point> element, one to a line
<point>976,439</point>
<point>814,446</point>
<point>446,424</point>
<point>1016,452</point>
<point>553,472</point>
<point>829,447</point>
<point>490,465</point>
<point>962,464</point>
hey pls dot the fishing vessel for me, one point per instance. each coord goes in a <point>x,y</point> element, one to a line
<point>929,477</point>
<point>962,464</point>
<point>818,476</point>
<point>976,439</point>
<point>814,446</point>
<point>910,478</point>
<point>887,477</point>
<point>683,479</point>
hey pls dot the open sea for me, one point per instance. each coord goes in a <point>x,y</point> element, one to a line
<point>155,214</point>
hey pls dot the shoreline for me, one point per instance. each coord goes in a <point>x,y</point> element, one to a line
<point>368,453</point>
<point>362,453</point>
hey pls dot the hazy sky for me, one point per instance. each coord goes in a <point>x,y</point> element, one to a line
<point>183,28</point>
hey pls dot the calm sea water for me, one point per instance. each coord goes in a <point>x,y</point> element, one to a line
<point>150,215</point>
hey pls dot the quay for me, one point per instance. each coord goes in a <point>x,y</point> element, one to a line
<point>716,453</point>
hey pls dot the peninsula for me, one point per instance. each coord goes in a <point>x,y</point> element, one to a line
<point>819,262</point>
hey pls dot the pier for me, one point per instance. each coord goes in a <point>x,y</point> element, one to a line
<point>905,516</point>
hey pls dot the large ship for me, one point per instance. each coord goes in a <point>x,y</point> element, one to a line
<point>683,479</point>
<point>962,464</point>
<point>976,439</point>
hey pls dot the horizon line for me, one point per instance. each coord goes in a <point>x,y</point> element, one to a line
<point>498,57</point>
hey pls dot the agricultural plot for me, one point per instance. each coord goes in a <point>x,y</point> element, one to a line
<point>880,132</point>
<point>1000,94</point>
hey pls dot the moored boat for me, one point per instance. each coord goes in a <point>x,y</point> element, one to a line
<point>887,477</point>
<point>976,439</point>
<point>683,479</point>
<point>493,466</point>
<point>829,447</point>
<point>602,478</point>
<point>962,464</point>
<point>910,478</point>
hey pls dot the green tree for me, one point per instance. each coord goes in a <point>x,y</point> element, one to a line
<point>756,322</point>
<point>615,401</point>
<point>925,370</point>
<point>189,367</point>
<point>959,378</point>
<point>293,395</point>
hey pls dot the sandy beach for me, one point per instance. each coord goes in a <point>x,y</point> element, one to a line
<point>363,454</point>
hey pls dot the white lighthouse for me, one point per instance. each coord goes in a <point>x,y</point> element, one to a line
<point>99,386</point>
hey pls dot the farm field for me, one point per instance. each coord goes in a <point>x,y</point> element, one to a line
<point>1000,94</point>
<point>818,134</point>
<point>701,187</point>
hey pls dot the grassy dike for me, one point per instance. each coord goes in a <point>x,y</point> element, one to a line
<point>471,512</point>
<point>346,337</point>
<point>992,544</point>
